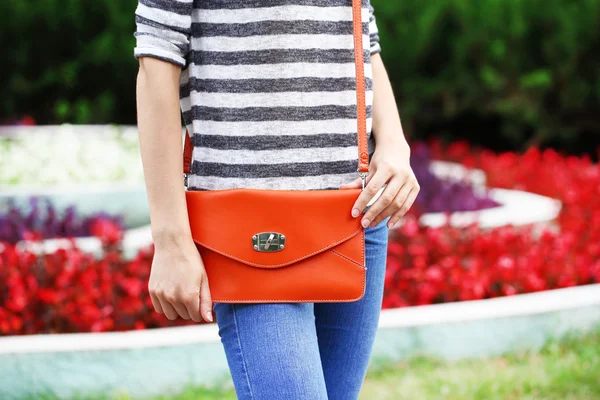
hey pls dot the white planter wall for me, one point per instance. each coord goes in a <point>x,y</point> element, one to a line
<point>161,361</point>
<point>454,171</point>
<point>129,200</point>
<point>133,241</point>
<point>516,208</point>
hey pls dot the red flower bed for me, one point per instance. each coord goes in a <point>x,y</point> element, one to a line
<point>69,291</point>
<point>434,265</point>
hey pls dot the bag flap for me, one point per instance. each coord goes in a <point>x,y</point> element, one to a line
<point>311,222</point>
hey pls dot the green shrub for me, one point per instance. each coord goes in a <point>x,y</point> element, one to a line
<point>68,60</point>
<point>530,68</point>
<point>532,65</point>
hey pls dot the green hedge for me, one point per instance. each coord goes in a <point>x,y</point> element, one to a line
<point>68,60</point>
<point>530,68</point>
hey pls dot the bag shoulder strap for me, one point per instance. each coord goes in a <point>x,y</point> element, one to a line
<point>363,155</point>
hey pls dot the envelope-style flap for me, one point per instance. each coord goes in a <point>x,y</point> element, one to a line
<point>272,228</point>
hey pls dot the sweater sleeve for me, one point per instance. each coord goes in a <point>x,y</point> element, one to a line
<point>373,31</point>
<point>163,29</point>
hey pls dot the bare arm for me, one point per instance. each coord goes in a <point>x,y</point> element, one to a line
<point>159,125</point>
<point>387,127</point>
<point>178,284</point>
<point>390,164</point>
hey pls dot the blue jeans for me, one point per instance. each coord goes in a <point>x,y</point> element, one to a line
<point>308,351</point>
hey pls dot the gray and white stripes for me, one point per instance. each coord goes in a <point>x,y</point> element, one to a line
<point>268,87</point>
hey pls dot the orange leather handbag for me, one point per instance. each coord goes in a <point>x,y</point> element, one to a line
<point>268,246</point>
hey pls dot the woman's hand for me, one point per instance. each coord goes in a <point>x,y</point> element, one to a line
<point>178,283</point>
<point>390,166</point>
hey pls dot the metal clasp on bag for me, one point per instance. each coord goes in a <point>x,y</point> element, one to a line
<point>268,242</point>
<point>363,177</point>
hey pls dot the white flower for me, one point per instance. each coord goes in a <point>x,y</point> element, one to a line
<point>70,154</point>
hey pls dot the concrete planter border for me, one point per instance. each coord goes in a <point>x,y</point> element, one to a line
<point>454,171</point>
<point>516,208</point>
<point>119,198</point>
<point>161,361</point>
<point>133,241</point>
<point>128,200</point>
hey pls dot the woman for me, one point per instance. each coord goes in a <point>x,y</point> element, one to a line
<point>267,90</point>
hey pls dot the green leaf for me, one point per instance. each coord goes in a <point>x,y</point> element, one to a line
<point>539,79</point>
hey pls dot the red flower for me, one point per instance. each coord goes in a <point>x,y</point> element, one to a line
<point>107,230</point>
<point>447,264</point>
<point>71,291</point>
<point>27,120</point>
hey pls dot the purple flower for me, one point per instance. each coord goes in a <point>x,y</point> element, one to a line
<point>439,195</point>
<point>43,218</point>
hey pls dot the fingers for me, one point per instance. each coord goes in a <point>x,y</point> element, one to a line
<point>179,306</point>
<point>388,203</point>
<point>397,197</point>
<point>355,184</point>
<point>155,302</point>
<point>205,299</point>
<point>192,304</point>
<point>372,187</point>
<point>174,293</point>
<point>167,308</point>
<point>404,208</point>
<point>386,198</point>
<point>186,306</point>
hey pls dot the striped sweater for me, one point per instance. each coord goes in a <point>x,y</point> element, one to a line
<point>268,87</point>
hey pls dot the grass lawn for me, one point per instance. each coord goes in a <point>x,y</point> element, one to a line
<point>567,370</point>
